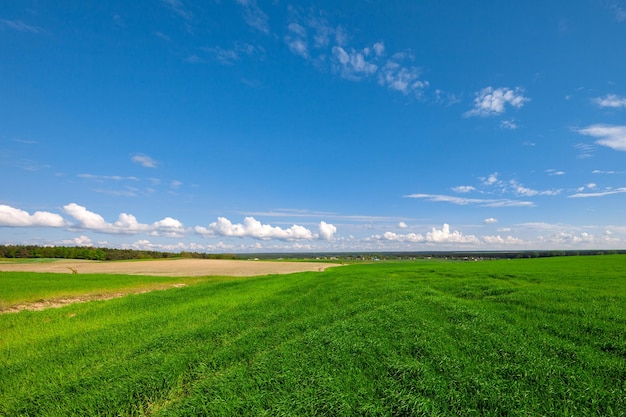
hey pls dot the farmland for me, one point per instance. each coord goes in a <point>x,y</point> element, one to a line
<point>426,337</point>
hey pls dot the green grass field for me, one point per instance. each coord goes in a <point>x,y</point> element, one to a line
<point>528,337</point>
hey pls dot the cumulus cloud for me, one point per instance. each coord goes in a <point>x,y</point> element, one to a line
<point>435,236</point>
<point>144,160</point>
<point>500,241</point>
<point>78,241</point>
<point>573,239</point>
<point>611,136</point>
<point>257,230</point>
<point>611,100</point>
<point>14,217</point>
<point>493,101</point>
<point>125,223</point>
<point>402,225</point>
<point>326,230</point>
<point>490,220</point>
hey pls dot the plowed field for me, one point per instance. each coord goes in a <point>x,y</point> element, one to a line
<point>169,267</point>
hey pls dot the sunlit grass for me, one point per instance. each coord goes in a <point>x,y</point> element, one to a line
<point>523,337</point>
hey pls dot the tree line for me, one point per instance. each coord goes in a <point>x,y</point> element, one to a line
<point>97,254</point>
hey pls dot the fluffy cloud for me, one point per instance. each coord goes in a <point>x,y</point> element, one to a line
<point>78,241</point>
<point>491,102</point>
<point>613,137</point>
<point>125,224</point>
<point>500,241</point>
<point>13,217</point>
<point>255,229</point>
<point>327,231</point>
<point>610,100</point>
<point>490,220</point>
<point>435,236</point>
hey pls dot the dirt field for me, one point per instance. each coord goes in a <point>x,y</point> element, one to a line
<point>169,267</point>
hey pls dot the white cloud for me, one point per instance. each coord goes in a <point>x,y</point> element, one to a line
<point>144,160</point>
<point>401,78</point>
<point>500,241</point>
<point>590,186</point>
<point>402,225</point>
<point>297,46</point>
<point>613,137</point>
<point>101,178</point>
<point>349,62</point>
<point>490,220</point>
<point>620,190</point>
<point>352,64</point>
<point>520,190</point>
<point>125,224</point>
<point>255,229</point>
<point>435,236</point>
<point>491,102</point>
<point>513,187</point>
<point>379,48</point>
<point>572,239</point>
<point>585,150</point>
<point>491,179</point>
<point>13,217</point>
<point>508,124</point>
<point>554,172</point>
<point>611,100</point>
<point>467,201</point>
<point>463,189</point>
<point>444,235</point>
<point>78,241</point>
<point>327,231</point>
<point>396,237</point>
<point>168,227</point>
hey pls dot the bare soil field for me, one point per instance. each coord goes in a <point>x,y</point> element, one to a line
<point>169,267</point>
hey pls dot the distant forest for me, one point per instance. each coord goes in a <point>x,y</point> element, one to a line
<point>98,254</point>
<point>110,254</point>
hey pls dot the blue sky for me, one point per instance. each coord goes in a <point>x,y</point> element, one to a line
<point>262,126</point>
